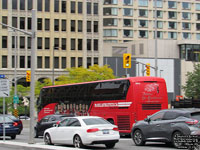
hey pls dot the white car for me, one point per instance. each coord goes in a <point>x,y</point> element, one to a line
<point>83,130</point>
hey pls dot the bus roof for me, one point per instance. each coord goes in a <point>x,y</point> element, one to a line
<point>132,79</point>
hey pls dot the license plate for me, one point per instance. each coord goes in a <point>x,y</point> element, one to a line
<point>105,131</point>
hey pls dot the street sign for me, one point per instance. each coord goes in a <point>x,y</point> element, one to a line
<point>15,99</point>
<point>2,76</point>
<point>4,88</point>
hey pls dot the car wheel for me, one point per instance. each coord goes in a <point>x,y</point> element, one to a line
<point>78,142</point>
<point>13,137</point>
<point>47,139</point>
<point>176,140</point>
<point>35,133</point>
<point>138,138</point>
<point>110,145</point>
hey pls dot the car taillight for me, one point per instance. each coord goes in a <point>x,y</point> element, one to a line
<point>92,130</point>
<point>20,122</point>
<point>192,122</point>
<point>115,129</point>
<point>15,124</point>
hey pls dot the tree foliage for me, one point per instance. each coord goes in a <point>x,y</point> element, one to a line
<point>192,86</point>
<point>94,73</point>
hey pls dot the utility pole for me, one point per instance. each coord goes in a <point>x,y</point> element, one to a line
<point>156,48</point>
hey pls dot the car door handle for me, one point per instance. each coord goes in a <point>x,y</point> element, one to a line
<point>157,125</point>
<point>172,123</point>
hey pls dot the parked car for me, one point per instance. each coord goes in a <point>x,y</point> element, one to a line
<point>167,126</point>
<point>11,127</point>
<point>19,123</point>
<point>47,122</point>
<point>83,130</point>
<point>24,118</point>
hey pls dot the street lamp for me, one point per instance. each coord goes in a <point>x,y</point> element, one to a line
<point>15,73</point>
<point>54,48</point>
<point>156,48</point>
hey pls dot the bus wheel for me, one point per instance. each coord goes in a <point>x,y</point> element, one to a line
<point>111,121</point>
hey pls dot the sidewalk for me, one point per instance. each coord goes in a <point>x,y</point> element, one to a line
<point>37,146</point>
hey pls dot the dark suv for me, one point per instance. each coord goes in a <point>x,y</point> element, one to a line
<point>47,122</point>
<point>171,126</point>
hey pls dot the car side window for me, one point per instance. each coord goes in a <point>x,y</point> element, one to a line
<point>157,116</point>
<point>64,123</point>
<point>45,119</point>
<point>52,118</point>
<point>74,122</point>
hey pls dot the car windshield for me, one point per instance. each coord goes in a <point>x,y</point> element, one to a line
<point>95,121</point>
<point>6,119</point>
<point>12,117</point>
<point>196,115</point>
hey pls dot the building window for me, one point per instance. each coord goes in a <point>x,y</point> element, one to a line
<point>186,15</point>
<point>64,25</point>
<point>22,4</point>
<point>56,6</point>
<point>47,5</point>
<point>159,14</point>
<point>128,2</point>
<point>186,5</point>
<point>4,42</point>
<point>109,22</point>
<point>56,24</point>
<point>30,4</point>
<point>14,4</point>
<point>80,44</point>
<point>128,33</point>
<point>159,34</point>
<point>159,24</point>
<point>96,44</point>
<point>64,63</point>
<point>14,22</point>
<point>197,6</point>
<point>96,8</point>
<point>22,61</point>
<point>110,11</point>
<point>186,26</point>
<point>89,44</point>
<point>198,36</point>
<point>39,23</point>
<point>128,12</point>
<point>80,61</point>
<point>143,34</point>
<point>198,26</point>
<point>96,61</point>
<point>143,3</point>
<point>80,25</point>
<point>89,8</point>
<point>80,7</point>
<point>73,62</point>
<point>64,42</point>
<point>73,26</point>
<point>198,16</point>
<point>172,4</point>
<point>143,23</point>
<point>13,62</point>
<point>4,62</point>
<point>110,33</point>
<point>29,43</point>
<point>172,25</point>
<point>47,43</point>
<point>89,26</point>
<point>64,6</point>
<point>96,26</point>
<point>56,43</point>
<point>39,5</point>
<point>5,21</point>
<point>73,44</point>
<point>56,62</point>
<point>172,15</point>
<point>159,4</point>
<point>172,35</point>
<point>22,23</point>
<point>29,24</point>
<point>29,62</point>
<point>47,62</point>
<point>143,13</point>
<point>22,42</point>
<point>4,4</point>
<point>128,22</point>
<point>89,62</point>
<point>73,7</point>
<point>39,43</point>
<point>47,24</point>
<point>39,62</point>
<point>186,35</point>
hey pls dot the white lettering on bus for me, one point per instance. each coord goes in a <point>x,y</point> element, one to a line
<point>119,104</point>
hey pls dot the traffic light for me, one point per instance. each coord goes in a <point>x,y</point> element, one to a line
<point>28,76</point>
<point>127,60</point>
<point>148,69</point>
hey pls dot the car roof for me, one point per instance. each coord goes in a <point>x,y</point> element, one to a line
<point>183,110</point>
<point>85,117</point>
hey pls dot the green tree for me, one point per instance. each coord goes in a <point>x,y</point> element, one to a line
<point>192,86</point>
<point>80,74</point>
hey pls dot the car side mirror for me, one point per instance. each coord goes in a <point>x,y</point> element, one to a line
<point>55,125</point>
<point>147,119</point>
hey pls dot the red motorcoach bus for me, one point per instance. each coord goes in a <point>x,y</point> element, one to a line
<point>121,101</point>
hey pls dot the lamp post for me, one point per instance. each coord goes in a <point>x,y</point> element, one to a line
<point>53,67</point>
<point>15,72</point>
<point>156,48</point>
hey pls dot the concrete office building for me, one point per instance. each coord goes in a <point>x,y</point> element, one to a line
<point>69,34</point>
